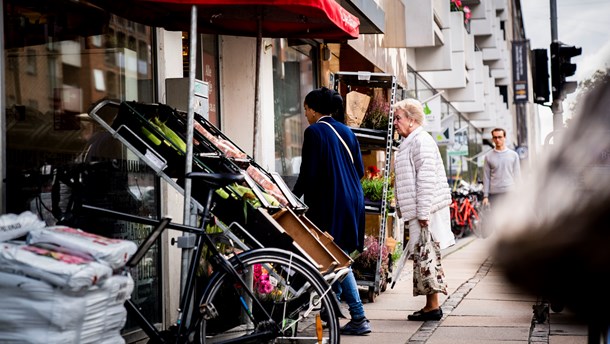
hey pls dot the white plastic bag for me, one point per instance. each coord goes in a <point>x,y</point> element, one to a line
<point>13,226</point>
<point>59,269</point>
<point>115,252</point>
<point>34,311</point>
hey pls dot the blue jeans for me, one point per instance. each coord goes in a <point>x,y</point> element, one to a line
<point>348,291</point>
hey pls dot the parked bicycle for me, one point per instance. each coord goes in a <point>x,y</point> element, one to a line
<point>465,210</point>
<point>259,295</point>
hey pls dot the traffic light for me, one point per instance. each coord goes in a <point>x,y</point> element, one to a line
<point>541,76</point>
<point>562,67</point>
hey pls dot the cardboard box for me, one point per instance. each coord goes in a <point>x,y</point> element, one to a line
<point>372,225</point>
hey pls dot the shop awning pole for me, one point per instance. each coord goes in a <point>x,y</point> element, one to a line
<point>257,72</point>
<point>188,216</point>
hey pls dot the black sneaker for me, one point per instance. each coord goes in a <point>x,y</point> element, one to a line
<point>435,314</point>
<point>356,327</point>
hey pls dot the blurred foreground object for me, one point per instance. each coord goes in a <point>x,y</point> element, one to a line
<point>553,232</point>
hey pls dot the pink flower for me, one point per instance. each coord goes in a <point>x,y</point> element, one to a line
<point>467,13</point>
<point>264,287</point>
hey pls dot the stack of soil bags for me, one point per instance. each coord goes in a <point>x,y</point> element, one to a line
<point>61,285</point>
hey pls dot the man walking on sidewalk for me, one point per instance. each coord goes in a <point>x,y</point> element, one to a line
<point>501,169</point>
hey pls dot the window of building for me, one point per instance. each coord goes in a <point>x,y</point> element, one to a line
<point>53,79</point>
<point>293,78</point>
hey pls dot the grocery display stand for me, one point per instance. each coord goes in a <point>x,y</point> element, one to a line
<point>375,140</point>
<point>155,133</point>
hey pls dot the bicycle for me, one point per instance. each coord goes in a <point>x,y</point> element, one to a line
<point>233,307</point>
<point>465,214</point>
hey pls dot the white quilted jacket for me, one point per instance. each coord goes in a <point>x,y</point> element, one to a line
<point>420,175</point>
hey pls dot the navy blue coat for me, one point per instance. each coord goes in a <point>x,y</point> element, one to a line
<point>330,183</point>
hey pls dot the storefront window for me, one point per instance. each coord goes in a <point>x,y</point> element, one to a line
<point>63,57</point>
<point>293,78</point>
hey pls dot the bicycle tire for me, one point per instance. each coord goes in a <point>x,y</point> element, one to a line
<point>458,231</point>
<point>223,312</point>
<point>475,224</point>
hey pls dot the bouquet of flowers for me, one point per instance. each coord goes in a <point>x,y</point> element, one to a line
<point>265,286</point>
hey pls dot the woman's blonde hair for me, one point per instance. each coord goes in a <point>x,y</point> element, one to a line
<point>413,109</point>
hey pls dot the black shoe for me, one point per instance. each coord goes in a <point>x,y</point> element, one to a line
<point>356,327</point>
<point>435,314</point>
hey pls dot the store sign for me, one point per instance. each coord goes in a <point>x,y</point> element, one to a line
<point>520,71</point>
<point>442,137</point>
<point>432,110</point>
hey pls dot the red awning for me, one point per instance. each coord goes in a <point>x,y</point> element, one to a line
<point>322,19</point>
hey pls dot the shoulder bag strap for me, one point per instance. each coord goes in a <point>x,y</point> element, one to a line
<point>340,139</point>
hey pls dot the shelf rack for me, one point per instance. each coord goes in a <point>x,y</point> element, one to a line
<point>375,139</point>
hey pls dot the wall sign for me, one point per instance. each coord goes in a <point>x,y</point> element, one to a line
<point>520,71</point>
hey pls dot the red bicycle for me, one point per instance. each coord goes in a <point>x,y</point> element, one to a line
<point>465,213</point>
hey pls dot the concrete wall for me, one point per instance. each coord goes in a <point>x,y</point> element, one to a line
<point>237,85</point>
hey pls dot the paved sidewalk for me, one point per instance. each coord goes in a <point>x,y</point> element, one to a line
<point>481,307</point>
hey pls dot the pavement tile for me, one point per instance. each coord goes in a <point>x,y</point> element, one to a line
<point>488,321</point>
<point>493,308</point>
<point>568,340</point>
<point>459,335</point>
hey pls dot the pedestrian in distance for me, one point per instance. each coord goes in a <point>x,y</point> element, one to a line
<point>501,169</point>
<point>329,181</point>
<point>423,198</point>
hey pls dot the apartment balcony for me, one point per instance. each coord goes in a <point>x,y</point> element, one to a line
<point>425,21</point>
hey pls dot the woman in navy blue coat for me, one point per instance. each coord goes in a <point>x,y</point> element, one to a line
<point>329,180</point>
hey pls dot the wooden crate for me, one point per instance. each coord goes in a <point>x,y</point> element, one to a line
<point>327,240</point>
<point>306,240</point>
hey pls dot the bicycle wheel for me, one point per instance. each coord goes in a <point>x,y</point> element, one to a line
<point>297,298</point>
<point>458,231</point>
<point>475,224</point>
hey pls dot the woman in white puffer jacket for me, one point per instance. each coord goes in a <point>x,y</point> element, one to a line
<point>422,193</point>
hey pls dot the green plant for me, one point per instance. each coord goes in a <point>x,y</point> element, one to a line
<point>373,189</point>
<point>397,252</point>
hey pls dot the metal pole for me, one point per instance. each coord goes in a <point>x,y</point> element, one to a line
<point>186,252</point>
<point>257,105</point>
<point>554,36</point>
<point>557,106</point>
